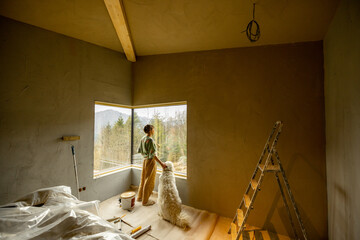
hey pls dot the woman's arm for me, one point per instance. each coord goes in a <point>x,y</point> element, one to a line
<point>152,153</point>
<point>163,165</point>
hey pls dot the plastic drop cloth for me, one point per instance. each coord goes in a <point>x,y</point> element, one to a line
<point>53,213</point>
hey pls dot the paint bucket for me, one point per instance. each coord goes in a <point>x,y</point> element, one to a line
<point>127,200</point>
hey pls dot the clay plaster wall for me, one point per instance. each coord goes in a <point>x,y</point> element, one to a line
<point>342,102</point>
<point>234,97</point>
<point>48,85</point>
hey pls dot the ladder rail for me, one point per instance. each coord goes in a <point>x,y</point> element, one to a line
<point>263,169</point>
<point>285,202</point>
<point>256,168</point>
<point>292,199</point>
<point>277,126</point>
<point>247,213</point>
<point>274,143</point>
<point>286,206</point>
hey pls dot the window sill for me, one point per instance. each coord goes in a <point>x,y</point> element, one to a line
<point>113,171</point>
<point>158,171</point>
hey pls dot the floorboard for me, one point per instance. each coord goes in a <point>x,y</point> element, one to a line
<point>203,224</point>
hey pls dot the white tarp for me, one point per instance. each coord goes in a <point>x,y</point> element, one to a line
<point>53,213</point>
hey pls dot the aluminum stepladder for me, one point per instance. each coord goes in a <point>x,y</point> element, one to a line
<point>238,225</point>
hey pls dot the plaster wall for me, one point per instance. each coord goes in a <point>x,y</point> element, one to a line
<point>342,104</point>
<point>234,97</point>
<point>48,86</point>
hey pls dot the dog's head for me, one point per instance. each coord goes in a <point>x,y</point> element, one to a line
<point>169,166</point>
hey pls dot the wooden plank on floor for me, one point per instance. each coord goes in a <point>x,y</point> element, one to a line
<point>221,229</point>
<point>202,223</point>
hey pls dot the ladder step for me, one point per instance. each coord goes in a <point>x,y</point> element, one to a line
<point>233,231</point>
<point>240,217</point>
<point>247,200</point>
<point>269,167</point>
<point>254,184</point>
<point>273,164</point>
<point>250,228</point>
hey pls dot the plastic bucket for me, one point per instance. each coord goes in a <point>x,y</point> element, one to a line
<point>127,200</point>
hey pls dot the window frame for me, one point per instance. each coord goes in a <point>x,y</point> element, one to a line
<point>132,165</point>
<point>110,170</point>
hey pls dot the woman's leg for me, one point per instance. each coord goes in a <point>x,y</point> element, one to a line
<point>141,187</point>
<point>149,181</point>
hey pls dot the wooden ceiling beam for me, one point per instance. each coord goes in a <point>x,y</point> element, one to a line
<point>118,17</point>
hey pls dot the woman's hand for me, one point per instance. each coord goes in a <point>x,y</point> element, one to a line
<point>163,165</point>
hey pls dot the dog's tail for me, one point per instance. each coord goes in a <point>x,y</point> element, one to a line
<point>182,220</point>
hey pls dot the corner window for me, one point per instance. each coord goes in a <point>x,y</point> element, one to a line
<point>118,131</point>
<point>170,134</point>
<point>112,138</point>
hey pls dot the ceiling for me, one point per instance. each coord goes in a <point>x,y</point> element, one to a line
<point>170,26</point>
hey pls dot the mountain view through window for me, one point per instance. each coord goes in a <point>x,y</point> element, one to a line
<point>170,133</point>
<point>112,136</point>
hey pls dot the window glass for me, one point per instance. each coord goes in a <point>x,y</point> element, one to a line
<point>170,133</point>
<point>112,138</point>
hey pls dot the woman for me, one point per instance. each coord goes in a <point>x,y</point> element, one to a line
<point>147,148</point>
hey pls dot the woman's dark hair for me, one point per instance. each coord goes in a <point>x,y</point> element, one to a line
<point>148,128</point>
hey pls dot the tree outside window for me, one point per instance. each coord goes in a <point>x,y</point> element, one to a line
<point>112,136</point>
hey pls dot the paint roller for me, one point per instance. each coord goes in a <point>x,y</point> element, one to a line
<point>140,231</point>
<point>136,232</point>
<point>74,138</point>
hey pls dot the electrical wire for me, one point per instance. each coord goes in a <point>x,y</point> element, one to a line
<point>253,36</point>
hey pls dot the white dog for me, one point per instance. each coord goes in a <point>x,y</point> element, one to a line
<point>168,200</point>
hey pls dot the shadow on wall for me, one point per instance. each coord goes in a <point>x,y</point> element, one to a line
<point>309,227</point>
<point>341,212</point>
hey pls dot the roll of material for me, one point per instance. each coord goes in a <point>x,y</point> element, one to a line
<point>141,232</point>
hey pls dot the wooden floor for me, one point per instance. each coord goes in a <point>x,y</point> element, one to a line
<point>203,224</point>
<point>222,226</point>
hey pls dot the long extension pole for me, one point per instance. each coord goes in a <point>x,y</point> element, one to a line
<point>75,170</point>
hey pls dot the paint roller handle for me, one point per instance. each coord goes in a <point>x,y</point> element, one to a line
<point>73,150</point>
